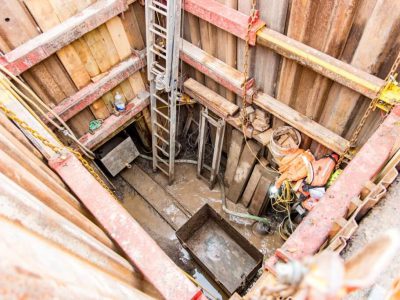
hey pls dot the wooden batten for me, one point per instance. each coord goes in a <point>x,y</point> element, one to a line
<point>307,126</point>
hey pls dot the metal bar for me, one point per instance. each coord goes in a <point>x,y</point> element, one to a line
<point>42,46</point>
<point>301,122</point>
<point>236,22</point>
<point>93,91</point>
<point>164,13</point>
<point>313,231</point>
<point>224,17</point>
<point>328,66</point>
<point>162,150</point>
<point>222,73</point>
<point>162,169</point>
<point>161,99</point>
<point>162,127</point>
<point>217,152</point>
<point>114,124</point>
<point>139,247</point>
<point>161,114</point>
<point>162,139</point>
<point>200,156</point>
<point>162,160</point>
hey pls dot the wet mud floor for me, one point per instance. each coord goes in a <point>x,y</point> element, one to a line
<point>192,193</point>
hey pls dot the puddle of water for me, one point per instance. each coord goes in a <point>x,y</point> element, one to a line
<point>208,289</point>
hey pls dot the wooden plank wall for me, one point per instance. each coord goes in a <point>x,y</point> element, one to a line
<point>363,33</point>
<point>36,200</point>
<point>81,62</point>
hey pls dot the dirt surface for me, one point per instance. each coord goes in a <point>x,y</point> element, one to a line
<point>385,215</point>
<point>192,193</point>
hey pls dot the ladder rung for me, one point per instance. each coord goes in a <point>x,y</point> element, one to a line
<point>161,114</point>
<point>160,48</point>
<point>155,64</point>
<point>163,12</point>
<point>161,100</point>
<point>158,53</point>
<point>160,5</point>
<point>158,33</point>
<point>157,69</point>
<point>162,150</point>
<point>162,127</point>
<point>162,160</point>
<point>162,139</point>
<point>162,169</point>
<point>159,27</point>
<point>156,72</point>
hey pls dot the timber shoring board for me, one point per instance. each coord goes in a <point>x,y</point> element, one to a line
<point>156,196</point>
<point>243,170</point>
<point>47,43</point>
<point>216,69</point>
<point>259,200</point>
<point>235,149</point>
<point>251,185</point>
<point>208,98</point>
<point>89,94</point>
<point>203,94</point>
<point>309,127</point>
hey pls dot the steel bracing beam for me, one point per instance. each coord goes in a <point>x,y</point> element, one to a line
<point>115,123</point>
<point>231,79</point>
<point>224,17</point>
<point>141,250</point>
<point>42,46</point>
<point>236,23</point>
<point>71,106</point>
<point>313,231</point>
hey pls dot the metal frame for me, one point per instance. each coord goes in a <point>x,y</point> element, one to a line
<point>163,63</point>
<point>206,119</point>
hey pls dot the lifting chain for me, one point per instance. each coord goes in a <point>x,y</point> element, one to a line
<point>57,149</point>
<point>252,19</point>
<point>390,78</point>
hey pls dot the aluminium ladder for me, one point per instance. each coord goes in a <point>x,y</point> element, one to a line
<point>163,21</point>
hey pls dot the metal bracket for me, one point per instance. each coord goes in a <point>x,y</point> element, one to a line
<point>205,119</point>
<point>389,95</point>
